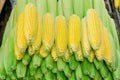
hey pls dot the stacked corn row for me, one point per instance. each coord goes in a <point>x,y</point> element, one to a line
<point>70,40</point>
<point>117,4</point>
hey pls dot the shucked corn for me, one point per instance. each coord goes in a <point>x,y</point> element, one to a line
<point>55,41</point>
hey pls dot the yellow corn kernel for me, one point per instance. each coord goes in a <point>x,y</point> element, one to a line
<point>116,3</point>
<point>108,55</point>
<point>37,42</point>
<point>54,53</point>
<point>30,51</point>
<point>99,52</point>
<point>61,34</point>
<point>74,33</point>
<point>18,54</point>
<point>79,54</point>
<point>93,28</point>
<point>48,31</point>
<point>91,56</point>
<point>42,52</point>
<point>84,39</point>
<point>30,20</point>
<point>66,56</point>
<point>20,36</point>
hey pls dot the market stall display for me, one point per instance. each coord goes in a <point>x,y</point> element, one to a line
<point>70,40</point>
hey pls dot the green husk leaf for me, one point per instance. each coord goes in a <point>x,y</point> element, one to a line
<point>73,63</point>
<point>21,70</point>
<point>49,62</point>
<point>26,59</point>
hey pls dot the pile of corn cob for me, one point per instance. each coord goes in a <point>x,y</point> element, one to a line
<point>117,4</point>
<point>64,40</point>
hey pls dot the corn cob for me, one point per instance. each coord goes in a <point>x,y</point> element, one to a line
<point>114,65</point>
<point>74,33</point>
<point>67,56</point>
<point>79,54</point>
<point>99,52</point>
<point>48,31</point>
<point>18,54</point>
<point>94,32</point>
<point>107,46</point>
<point>54,53</point>
<point>20,36</point>
<point>37,42</point>
<point>61,35</point>
<point>21,70</point>
<point>91,56</point>
<point>84,40</point>
<point>42,52</point>
<point>116,3</point>
<point>30,24</point>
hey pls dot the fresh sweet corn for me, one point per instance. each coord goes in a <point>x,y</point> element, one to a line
<point>30,25</point>
<point>93,28</point>
<point>42,52</point>
<point>61,35</point>
<point>116,3</point>
<point>79,54</point>
<point>48,31</point>
<point>107,46</point>
<point>37,42</point>
<point>91,56</point>
<point>84,39</point>
<point>74,33</point>
<point>67,56</point>
<point>20,36</point>
<point>99,52</point>
<point>18,54</point>
<point>54,53</point>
